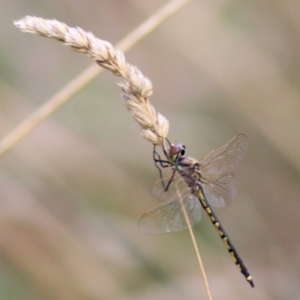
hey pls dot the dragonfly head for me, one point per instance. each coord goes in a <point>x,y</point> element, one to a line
<point>176,152</point>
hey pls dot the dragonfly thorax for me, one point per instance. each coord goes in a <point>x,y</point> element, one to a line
<point>189,169</point>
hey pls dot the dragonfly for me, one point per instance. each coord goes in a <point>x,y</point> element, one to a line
<point>197,186</point>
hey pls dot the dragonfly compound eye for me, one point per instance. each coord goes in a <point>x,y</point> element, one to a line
<point>182,151</point>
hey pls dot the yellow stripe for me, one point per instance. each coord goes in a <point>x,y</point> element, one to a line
<point>235,257</point>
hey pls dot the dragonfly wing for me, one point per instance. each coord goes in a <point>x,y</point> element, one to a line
<point>158,191</point>
<point>171,194</point>
<point>169,217</point>
<point>217,169</point>
<point>220,192</point>
<point>226,158</point>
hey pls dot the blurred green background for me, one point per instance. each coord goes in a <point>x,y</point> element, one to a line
<point>71,193</point>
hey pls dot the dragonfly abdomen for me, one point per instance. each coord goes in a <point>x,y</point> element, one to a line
<point>223,235</point>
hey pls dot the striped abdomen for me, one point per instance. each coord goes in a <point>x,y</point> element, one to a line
<point>233,253</point>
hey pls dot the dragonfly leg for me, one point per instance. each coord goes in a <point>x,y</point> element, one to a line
<point>157,159</point>
<point>170,181</point>
<point>160,163</point>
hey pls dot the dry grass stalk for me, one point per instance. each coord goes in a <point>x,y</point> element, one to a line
<point>194,242</point>
<point>136,88</point>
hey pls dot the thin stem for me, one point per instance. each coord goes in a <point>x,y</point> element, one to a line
<point>195,245</point>
<point>64,95</point>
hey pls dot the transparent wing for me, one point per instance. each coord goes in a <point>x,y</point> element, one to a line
<point>178,184</point>
<point>217,171</point>
<point>220,192</point>
<point>226,158</point>
<point>169,217</point>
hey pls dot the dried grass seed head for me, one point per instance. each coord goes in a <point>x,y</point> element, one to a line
<point>136,87</point>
